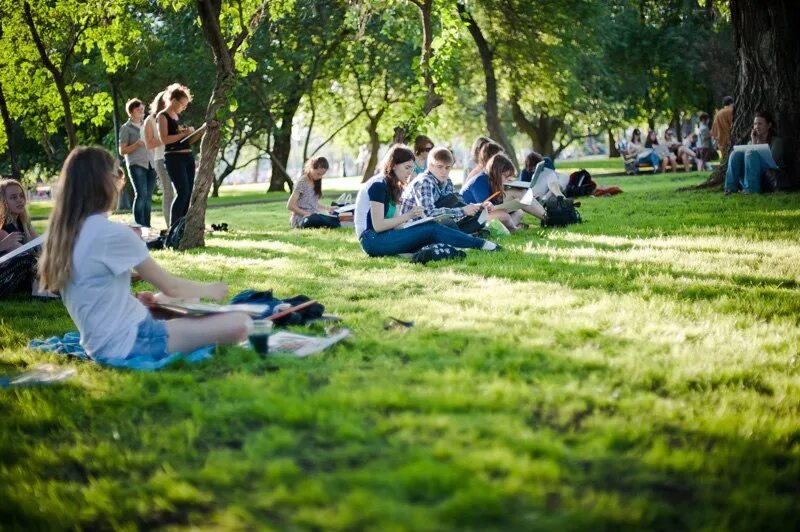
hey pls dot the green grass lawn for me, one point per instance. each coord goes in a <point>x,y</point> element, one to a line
<point>638,371</point>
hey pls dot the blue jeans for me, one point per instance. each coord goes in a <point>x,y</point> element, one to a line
<point>653,157</point>
<point>151,340</point>
<point>144,182</point>
<point>744,172</point>
<point>409,240</point>
<point>180,167</point>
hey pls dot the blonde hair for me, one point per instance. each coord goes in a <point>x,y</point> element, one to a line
<point>24,219</point>
<point>88,184</point>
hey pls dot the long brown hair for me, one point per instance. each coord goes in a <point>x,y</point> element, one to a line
<point>88,185</point>
<point>398,154</point>
<point>496,168</point>
<point>479,143</point>
<point>315,163</point>
<point>23,219</point>
<point>157,105</point>
<point>489,150</point>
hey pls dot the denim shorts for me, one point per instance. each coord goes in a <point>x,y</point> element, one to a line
<point>151,340</point>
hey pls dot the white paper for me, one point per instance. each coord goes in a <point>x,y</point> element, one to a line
<point>302,345</point>
<point>39,240</point>
<point>346,208</point>
<point>763,151</point>
<point>518,184</point>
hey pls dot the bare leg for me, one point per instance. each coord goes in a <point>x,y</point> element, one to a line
<point>188,334</point>
<point>504,218</point>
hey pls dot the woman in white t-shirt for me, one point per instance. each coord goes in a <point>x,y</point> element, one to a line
<point>156,150</point>
<point>88,259</point>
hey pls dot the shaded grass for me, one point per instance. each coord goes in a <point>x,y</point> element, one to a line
<point>637,371</point>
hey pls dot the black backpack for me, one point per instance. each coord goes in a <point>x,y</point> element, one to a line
<point>175,234</point>
<point>560,211</point>
<point>580,184</point>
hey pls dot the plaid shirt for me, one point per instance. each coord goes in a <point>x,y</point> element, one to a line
<point>425,190</point>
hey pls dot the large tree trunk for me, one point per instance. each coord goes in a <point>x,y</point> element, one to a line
<point>224,56</point>
<point>542,130</point>
<point>487,60</point>
<point>8,125</point>
<point>613,151</point>
<point>767,76</point>
<point>374,147</point>
<point>282,147</point>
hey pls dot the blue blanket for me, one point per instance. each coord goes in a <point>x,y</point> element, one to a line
<point>69,345</point>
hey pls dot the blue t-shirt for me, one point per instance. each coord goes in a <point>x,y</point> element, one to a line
<point>525,175</point>
<point>477,189</point>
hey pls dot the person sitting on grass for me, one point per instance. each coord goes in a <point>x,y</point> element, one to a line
<point>531,160</point>
<point>641,154</point>
<point>17,274</point>
<point>422,147</point>
<point>433,190</point>
<point>88,258</point>
<point>489,150</point>
<point>746,168</point>
<point>475,153</point>
<point>491,184</point>
<point>378,223</point>
<point>305,201</point>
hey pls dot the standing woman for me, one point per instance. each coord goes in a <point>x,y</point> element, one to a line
<point>156,149</point>
<point>378,220</point>
<point>177,155</point>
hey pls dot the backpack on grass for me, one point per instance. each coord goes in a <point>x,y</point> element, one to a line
<point>580,184</point>
<point>175,234</point>
<point>560,211</point>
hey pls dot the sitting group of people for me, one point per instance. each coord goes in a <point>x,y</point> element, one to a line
<point>415,185</point>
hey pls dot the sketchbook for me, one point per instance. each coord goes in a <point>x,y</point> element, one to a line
<point>509,206</point>
<point>763,151</point>
<point>424,220</point>
<point>518,184</point>
<point>193,137</point>
<point>204,309</point>
<point>38,241</point>
<point>345,208</point>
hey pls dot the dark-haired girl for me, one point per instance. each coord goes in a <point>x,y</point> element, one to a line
<point>378,220</point>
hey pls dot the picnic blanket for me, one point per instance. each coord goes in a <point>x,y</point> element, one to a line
<point>69,345</point>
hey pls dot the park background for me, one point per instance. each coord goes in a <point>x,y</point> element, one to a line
<point>637,371</point>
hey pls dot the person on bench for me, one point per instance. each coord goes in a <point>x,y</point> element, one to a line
<point>378,223</point>
<point>641,154</point>
<point>433,190</point>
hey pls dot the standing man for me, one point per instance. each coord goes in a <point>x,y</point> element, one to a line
<point>721,130</point>
<point>142,175</point>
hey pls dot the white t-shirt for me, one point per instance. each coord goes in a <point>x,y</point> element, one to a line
<point>541,189</point>
<point>362,204</point>
<point>156,154</point>
<point>98,294</point>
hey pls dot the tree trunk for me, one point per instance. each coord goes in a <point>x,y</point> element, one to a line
<point>8,125</point>
<point>767,76</point>
<point>487,60</point>
<point>58,76</point>
<point>282,147</point>
<point>224,57</point>
<point>613,151</point>
<point>374,147</point>
<point>768,68</point>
